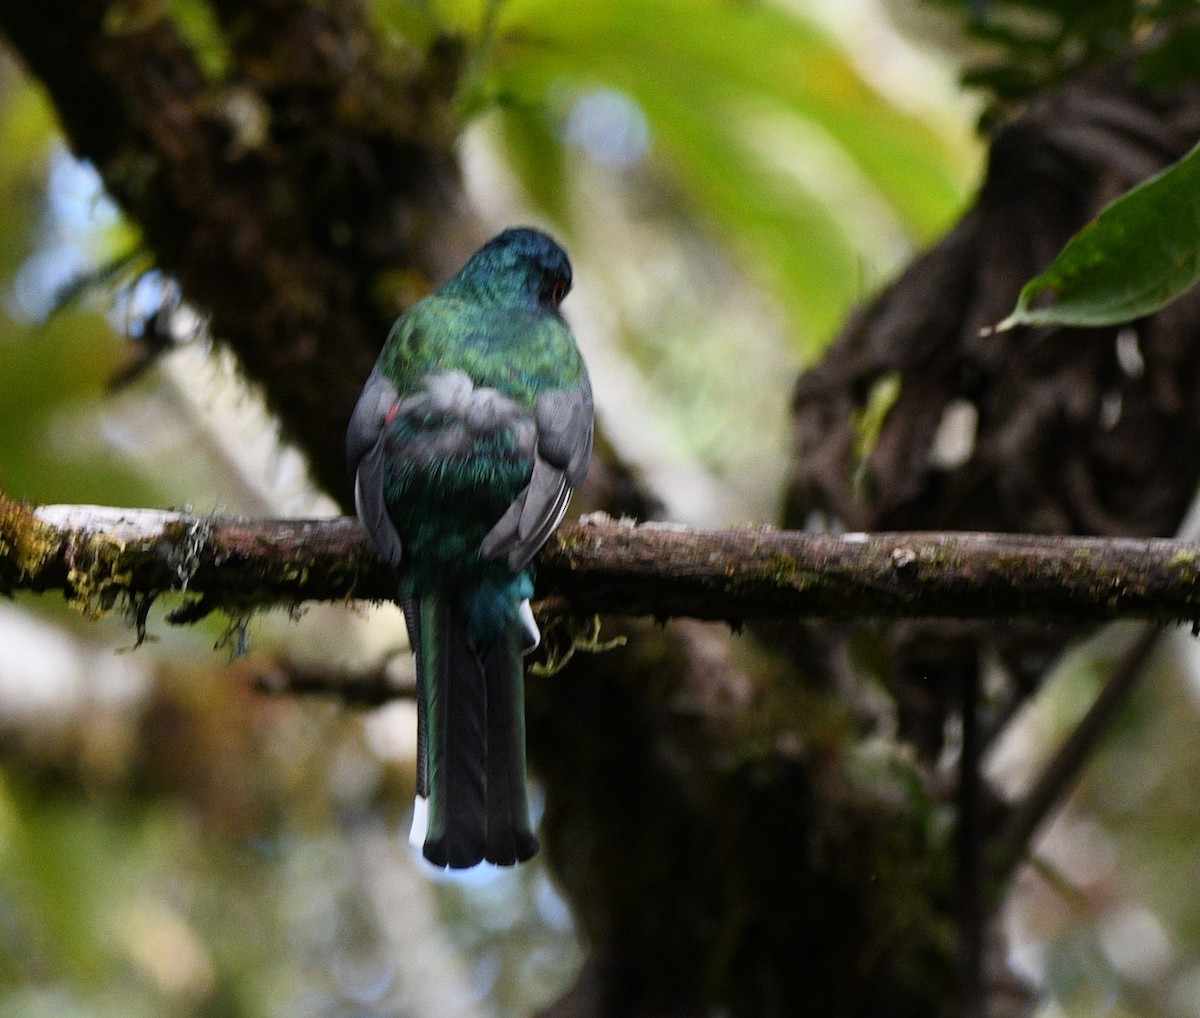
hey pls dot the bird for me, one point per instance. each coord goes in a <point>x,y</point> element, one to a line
<point>472,431</point>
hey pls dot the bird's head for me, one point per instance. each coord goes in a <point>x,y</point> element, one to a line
<point>519,268</point>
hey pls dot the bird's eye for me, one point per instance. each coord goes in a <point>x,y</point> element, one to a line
<point>559,292</point>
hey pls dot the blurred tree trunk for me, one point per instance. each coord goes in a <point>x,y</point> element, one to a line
<point>741,825</point>
<point>300,199</point>
<point>734,821</point>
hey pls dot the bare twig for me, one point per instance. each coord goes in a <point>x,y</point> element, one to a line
<point>1060,775</point>
<point>357,689</point>
<point>972,910</point>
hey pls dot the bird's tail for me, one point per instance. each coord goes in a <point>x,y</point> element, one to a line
<point>471,784</point>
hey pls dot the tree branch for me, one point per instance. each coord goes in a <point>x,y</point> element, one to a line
<point>371,688</point>
<point>98,555</point>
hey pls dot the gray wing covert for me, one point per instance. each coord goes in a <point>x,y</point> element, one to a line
<point>564,421</point>
<point>364,456</point>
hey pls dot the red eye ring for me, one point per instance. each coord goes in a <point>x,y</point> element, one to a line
<point>559,291</point>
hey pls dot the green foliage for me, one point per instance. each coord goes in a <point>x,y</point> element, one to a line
<point>27,127</point>
<point>52,373</point>
<point>710,79</point>
<point>405,22</point>
<point>1171,59</point>
<point>869,421</point>
<point>125,902</point>
<point>198,25</point>
<point>1033,44</point>
<point>1143,251</point>
<point>1139,254</point>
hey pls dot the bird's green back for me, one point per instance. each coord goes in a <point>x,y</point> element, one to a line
<point>519,351</point>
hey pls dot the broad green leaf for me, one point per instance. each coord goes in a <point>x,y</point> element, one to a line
<point>749,50</point>
<point>1136,257</point>
<point>464,17</point>
<point>537,158</point>
<point>704,74</point>
<point>791,237</point>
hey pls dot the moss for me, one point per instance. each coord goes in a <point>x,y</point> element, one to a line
<point>570,545</point>
<point>1186,562</point>
<point>294,572</point>
<point>26,544</point>
<point>564,635</point>
<point>236,637</point>
<point>1185,567</point>
<point>98,576</point>
<point>783,570</point>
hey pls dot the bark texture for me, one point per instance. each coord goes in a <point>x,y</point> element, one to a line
<point>301,197</point>
<point>97,556</point>
<point>1060,431</point>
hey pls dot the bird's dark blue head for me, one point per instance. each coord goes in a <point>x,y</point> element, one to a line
<point>519,268</point>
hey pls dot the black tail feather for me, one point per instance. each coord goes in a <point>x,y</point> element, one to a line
<point>456,751</point>
<point>471,741</point>
<point>412,619</point>
<point>509,836</point>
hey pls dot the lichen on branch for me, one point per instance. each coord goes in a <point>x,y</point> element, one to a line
<point>97,555</point>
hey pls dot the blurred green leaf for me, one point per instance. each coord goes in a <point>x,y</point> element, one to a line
<point>868,424</point>
<point>48,373</point>
<point>536,156</point>
<point>198,25</point>
<point>737,51</point>
<point>1138,255</point>
<point>790,236</point>
<point>702,73</point>
<point>465,17</point>
<point>1171,61</point>
<point>1032,44</point>
<point>27,127</point>
<point>54,861</point>
<point>410,20</point>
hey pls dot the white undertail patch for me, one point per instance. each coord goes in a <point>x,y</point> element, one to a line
<point>533,635</point>
<point>420,824</point>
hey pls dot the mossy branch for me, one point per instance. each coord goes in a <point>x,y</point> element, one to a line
<point>97,555</point>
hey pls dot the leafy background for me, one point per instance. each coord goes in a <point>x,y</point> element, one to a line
<point>730,179</point>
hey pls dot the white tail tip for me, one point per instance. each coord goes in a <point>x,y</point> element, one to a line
<point>533,635</point>
<point>420,824</point>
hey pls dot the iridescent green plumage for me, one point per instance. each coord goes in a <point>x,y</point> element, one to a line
<point>444,508</point>
<point>466,443</point>
<point>522,351</point>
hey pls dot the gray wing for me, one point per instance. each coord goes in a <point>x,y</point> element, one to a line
<point>564,421</point>
<point>364,456</point>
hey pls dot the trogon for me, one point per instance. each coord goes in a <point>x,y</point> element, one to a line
<point>470,434</point>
